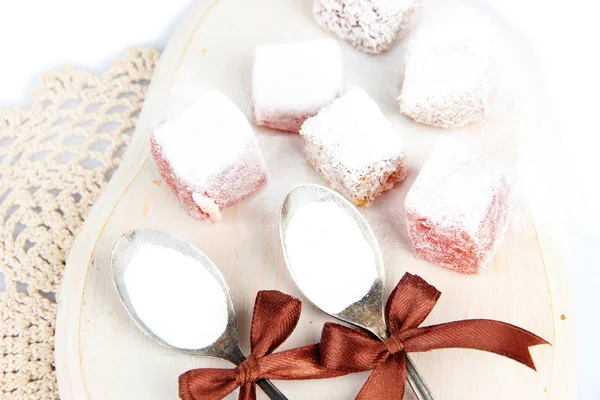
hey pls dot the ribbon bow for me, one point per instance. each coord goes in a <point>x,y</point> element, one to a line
<point>275,317</point>
<point>352,350</point>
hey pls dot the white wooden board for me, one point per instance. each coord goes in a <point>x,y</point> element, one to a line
<point>100,354</point>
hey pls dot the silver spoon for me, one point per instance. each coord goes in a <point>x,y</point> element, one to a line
<point>368,312</point>
<point>227,346</point>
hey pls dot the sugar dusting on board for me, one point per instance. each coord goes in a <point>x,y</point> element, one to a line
<point>176,297</point>
<point>331,261</point>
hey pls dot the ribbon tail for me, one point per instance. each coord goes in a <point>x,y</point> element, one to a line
<point>248,391</point>
<point>206,384</point>
<point>387,381</point>
<point>478,334</point>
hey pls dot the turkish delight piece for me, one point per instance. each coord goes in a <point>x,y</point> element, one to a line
<point>292,81</point>
<point>448,77</point>
<point>208,155</point>
<point>457,209</point>
<point>372,26</point>
<point>356,149</point>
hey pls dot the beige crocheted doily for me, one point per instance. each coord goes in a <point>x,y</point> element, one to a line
<point>54,161</point>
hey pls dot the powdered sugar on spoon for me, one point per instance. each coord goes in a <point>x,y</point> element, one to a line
<point>167,286</point>
<point>335,260</point>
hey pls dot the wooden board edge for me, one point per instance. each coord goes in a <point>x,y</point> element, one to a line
<point>71,382</point>
<point>564,369</point>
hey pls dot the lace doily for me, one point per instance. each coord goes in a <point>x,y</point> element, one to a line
<point>54,161</point>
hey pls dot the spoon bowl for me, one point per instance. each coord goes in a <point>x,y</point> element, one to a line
<point>226,346</point>
<point>366,312</point>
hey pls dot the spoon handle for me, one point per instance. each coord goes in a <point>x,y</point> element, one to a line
<point>378,327</point>
<point>416,382</point>
<point>270,390</point>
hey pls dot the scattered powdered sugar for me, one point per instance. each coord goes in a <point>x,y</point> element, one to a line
<point>331,261</point>
<point>176,297</point>
<point>456,31</point>
<point>184,89</point>
<point>372,26</point>
<point>520,213</point>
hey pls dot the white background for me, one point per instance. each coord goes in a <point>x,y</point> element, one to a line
<point>41,35</point>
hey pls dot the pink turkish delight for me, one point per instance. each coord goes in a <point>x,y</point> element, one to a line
<point>372,26</point>
<point>356,149</point>
<point>292,81</point>
<point>448,76</point>
<point>209,156</point>
<point>457,209</point>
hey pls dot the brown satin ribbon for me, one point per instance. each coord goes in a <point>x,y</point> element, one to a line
<point>412,300</point>
<point>275,317</point>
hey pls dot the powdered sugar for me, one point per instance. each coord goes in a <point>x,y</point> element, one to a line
<point>330,259</point>
<point>176,297</point>
<point>355,147</point>
<point>371,26</point>
<point>292,81</point>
